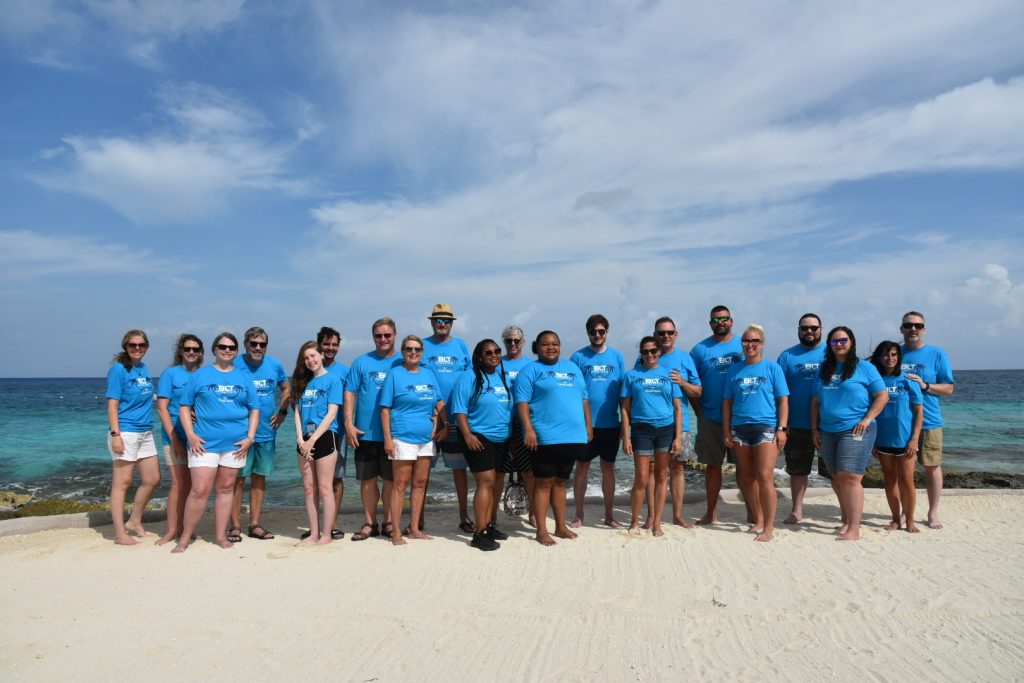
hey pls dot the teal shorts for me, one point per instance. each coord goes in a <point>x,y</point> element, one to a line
<point>260,459</point>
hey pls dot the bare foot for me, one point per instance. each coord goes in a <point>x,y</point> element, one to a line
<point>324,539</point>
<point>223,543</point>
<point>708,518</point>
<point>680,521</point>
<point>933,521</point>
<point>134,528</point>
<point>577,523</point>
<point>308,540</point>
<point>182,546</point>
<point>657,532</point>
<point>649,523</point>
<point>912,528</point>
<point>565,532</point>
<point>166,538</point>
<point>532,521</point>
<point>793,518</point>
<point>843,528</point>
<point>755,528</point>
<point>125,540</point>
<point>398,540</point>
<point>765,536</point>
<point>893,525</point>
<point>545,539</point>
<point>610,521</point>
<point>848,536</point>
<point>634,529</point>
<point>903,519</point>
<point>419,535</point>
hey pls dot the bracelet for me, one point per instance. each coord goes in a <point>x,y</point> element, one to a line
<point>926,388</point>
<point>282,412</point>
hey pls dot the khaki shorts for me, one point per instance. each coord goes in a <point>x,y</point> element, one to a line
<point>171,458</point>
<point>930,447</point>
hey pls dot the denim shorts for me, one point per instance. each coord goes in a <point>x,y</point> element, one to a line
<point>752,434</point>
<point>842,453</point>
<point>648,439</point>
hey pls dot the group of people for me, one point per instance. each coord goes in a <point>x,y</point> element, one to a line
<point>405,404</point>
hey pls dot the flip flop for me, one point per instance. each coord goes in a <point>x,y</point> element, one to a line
<point>235,534</point>
<point>263,534</point>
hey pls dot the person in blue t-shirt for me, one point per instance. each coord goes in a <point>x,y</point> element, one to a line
<point>551,401</point>
<point>899,428</point>
<point>482,406</point>
<point>267,376</point>
<point>130,441</point>
<point>328,341</point>
<point>651,405</point>
<point>188,357</point>
<point>363,431</point>
<point>848,396</point>
<point>929,367</point>
<point>318,395</point>
<point>603,368</point>
<point>220,413</point>
<point>517,458</point>
<point>801,364</point>
<point>448,357</point>
<point>713,357</point>
<point>412,417</point>
<point>755,418</point>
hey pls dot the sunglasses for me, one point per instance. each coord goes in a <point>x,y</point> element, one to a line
<point>191,349</point>
<point>441,321</point>
<point>513,342</point>
<point>912,326</point>
<point>810,328</point>
<point>226,347</point>
<point>597,332</point>
<point>413,349</point>
<point>665,333</point>
<point>134,345</point>
<point>383,335</point>
<point>839,342</point>
<point>256,344</point>
<point>648,352</point>
<point>492,352</point>
<point>722,319</point>
<point>755,342</point>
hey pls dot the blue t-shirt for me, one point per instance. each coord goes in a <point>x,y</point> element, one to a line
<point>896,421</point>
<point>266,378</point>
<point>339,370</point>
<point>133,389</point>
<point>412,397</point>
<point>555,393</point>
<point>171,386</point>
<point>931,365</point>
<point>603,373</point>
<point>319,395</point>
<point>841,405</point>
<point>221,402</point>
<point>651,395</point>
<point>512,370</point>
<point>753,390</point>
<point>448,361</point>
<point>365,379</point>
<point>801,366</point>
<point>681,362</point>
<point>713,360</point>
<point>490,412</point>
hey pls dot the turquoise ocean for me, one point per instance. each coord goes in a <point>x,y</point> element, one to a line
<point>53,440</point>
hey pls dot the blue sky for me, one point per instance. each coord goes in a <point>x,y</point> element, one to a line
<point>200,165</point>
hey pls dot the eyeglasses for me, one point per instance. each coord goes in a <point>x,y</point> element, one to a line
<point>648,352</point>
<point>810,328</point>
<point>513,342</point>
<point>912,326</point>
<point>256,344</point>
<point>665,333</point>
<point>383,335</point>
<point>839,342</point>
<point>721,319</point>
<point>492,352</point>
<point>755,342</point>
<point>226,347</point>
<point>191,349</point>
<point>413,349</point>
<point>597,332</point>
<point>441,321</point>
<point>136,345</point>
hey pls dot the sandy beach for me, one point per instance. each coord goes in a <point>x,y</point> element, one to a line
<point>697,604</point>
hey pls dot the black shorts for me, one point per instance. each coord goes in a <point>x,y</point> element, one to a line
<point>605,444</point>
<point>799,452</point>
<point>490,458</point>
<point>888,450</point>
<point>372,461</point>
<point>517,457</point>
<point>326,445</point>
<point>556,460</point>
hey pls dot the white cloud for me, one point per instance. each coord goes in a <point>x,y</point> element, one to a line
<point>29,255</point>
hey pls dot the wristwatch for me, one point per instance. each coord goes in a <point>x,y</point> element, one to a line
<point>782,429</point>
<point>113,433</point>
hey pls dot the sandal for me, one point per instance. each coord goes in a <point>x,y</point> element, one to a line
<point>262,534</point>
<point>387,529</point>
<point>468,527</point>
<point>337,534</point>
<point>235,534</point>
<point>366,531</point>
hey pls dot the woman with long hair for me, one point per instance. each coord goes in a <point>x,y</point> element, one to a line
<point>482,408</point>
<point>651,407</point>
<point>848,397</point>
<point>188,357</point>
<point>412,417</point>
<point>899,427</point>
<point>755,418</point>
<point>317,395</point>
<point>130,441</point>
<point>219,413</point>
<point>551,400</point>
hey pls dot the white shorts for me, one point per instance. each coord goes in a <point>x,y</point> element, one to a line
<point>208,459</point>
<point>411,451</point>
<point>137,445</point>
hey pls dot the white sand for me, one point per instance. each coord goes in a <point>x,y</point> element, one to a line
<point>703,604</point>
